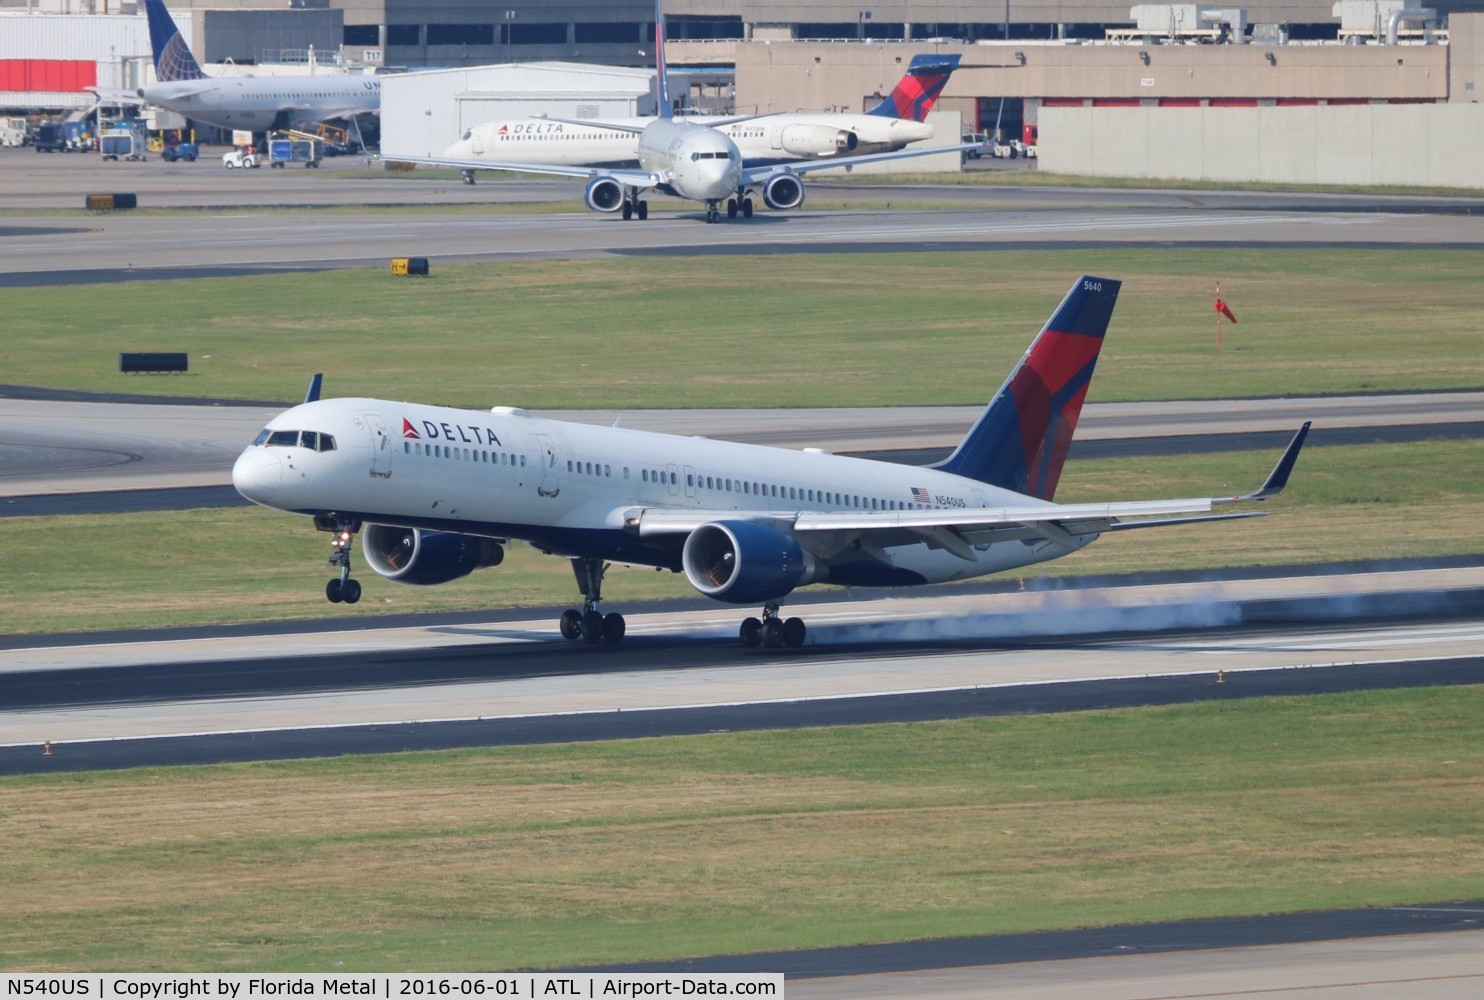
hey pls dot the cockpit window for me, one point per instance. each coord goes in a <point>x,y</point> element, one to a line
<point>313,440</point>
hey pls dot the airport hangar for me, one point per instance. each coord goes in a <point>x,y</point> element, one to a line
<point>1354,92</point>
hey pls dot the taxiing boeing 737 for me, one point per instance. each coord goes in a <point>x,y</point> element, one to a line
<point>678,157</point>
<point>437,493</point>
<point>247,103</point>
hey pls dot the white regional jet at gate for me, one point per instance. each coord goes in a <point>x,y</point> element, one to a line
<point>439,491</point>
<point>679,157</point>
<point>898,120</point>
<point>249,103</point>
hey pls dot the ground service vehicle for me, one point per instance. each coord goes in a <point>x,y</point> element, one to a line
<point>187,151</point>
<point>283,150</point>
<point>976,138</point>
<point>239,158</point>
<point>51,138</point>
<point>123,143</point>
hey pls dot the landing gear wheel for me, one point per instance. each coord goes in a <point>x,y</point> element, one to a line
<point>614,627</point>
<point>732,208</point>
<point>350,591</point>
<point>751,633</point>
<point>571,624</point>
<point>643,209</point>
<point>628,211</point>
<point>332,592</point>
<point>592,626</point>
<point>793,632</point>
<point>746,208</point>
<point>772,633</point>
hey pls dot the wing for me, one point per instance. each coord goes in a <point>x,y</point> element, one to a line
<point>958,530</point>
<point>629,178</point>
<point>757,175</point>
<point>113,95</point>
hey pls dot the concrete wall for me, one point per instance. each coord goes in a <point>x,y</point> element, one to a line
<point>1408,145</point>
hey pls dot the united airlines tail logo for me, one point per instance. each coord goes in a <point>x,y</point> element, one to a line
<point>408,431</point>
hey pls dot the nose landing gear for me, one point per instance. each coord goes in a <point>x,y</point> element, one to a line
<point>772,631</point>
<point>342,588</point>
<point>590,623</point>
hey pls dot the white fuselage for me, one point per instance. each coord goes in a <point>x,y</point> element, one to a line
<point>692,161</point>
<point>259,103</point>
<point>773,139</point>
<point>576,489</point>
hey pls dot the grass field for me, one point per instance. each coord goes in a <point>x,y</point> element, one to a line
<point>598,853</point>
<point>129,570</point>
<point>780,330</point>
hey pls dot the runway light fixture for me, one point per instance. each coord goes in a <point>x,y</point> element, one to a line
<point>1143,58</point>
<point>1021,57</point>
<point>1272,59</point>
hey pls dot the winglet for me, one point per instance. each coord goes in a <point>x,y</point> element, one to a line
<point>1278,478</point>
<point>314,387</point>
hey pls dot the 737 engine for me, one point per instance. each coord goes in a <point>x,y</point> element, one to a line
<point>604,194</point>
<point>817,140</point>
<point>425,558</point>
<point>742,562</point>
<point>783,192</point>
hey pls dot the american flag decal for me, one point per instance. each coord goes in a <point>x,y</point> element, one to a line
<point>921,495</point>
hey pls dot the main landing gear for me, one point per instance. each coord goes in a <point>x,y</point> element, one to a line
<point>590,623</point>
<point>632,206</point>
<point>735,205</point>
<point>772,631</point>
<point>344,588</point>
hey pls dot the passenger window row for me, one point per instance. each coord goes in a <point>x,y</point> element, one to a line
<point>464,454</point>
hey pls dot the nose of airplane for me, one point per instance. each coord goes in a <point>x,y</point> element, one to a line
<point>257,474</point>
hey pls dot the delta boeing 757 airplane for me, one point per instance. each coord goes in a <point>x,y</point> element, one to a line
<point>436,493</point>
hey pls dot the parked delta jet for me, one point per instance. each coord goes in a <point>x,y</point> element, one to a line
<point>248,103</point>
<point>440,491</point>
<point>779,138</point>
<point>679,157</point>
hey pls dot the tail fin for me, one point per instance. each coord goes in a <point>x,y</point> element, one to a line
<point>1021,439</point>
<point>173,59</point>
<point>661,85</point>
<point>916,93</point>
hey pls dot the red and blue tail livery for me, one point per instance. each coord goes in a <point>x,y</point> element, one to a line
<point>916,93</point>
<point>1021,440</point>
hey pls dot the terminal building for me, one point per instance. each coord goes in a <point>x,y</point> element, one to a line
<point>1288,90</point>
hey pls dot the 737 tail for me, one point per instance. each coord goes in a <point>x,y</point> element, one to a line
<point>173,59</point>
<point>1021,439</point>
<point>916,93</point>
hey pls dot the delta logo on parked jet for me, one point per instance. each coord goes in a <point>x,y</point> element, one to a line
<point>533,128</point>
<point>451,432</point>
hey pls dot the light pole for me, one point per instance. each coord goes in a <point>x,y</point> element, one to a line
<point>860,24</point>
<point>509,30</point>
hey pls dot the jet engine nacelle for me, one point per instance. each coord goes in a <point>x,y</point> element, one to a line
<point>742,562</point>
<point>817,140</point>
<point>425,558</point>
<point>783,192</point>
<point>604,194</point>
